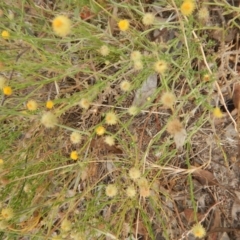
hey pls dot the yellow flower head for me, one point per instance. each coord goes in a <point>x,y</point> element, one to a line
<point>187,7</point>
<point>217,113</point>
<point>49,104</point>
<point>7,90</point>
<point>123,25</point>
<point>5,34</point>
<point>61,26</point>
<point>111,118</point>
<point>74,155</point>
<point>32,105</point>
<point>160,66</point>
<point>100,130</point>
<point>198,230</point>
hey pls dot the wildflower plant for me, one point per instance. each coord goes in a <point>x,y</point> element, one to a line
<point>89,137</point>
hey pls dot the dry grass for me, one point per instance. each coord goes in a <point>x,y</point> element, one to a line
<point>188,177</point>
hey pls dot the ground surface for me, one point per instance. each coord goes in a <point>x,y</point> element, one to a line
<point>173,163</point>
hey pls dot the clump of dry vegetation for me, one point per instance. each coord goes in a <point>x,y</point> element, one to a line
<point>117,119</point>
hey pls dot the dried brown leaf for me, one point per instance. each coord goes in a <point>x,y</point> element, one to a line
<point>145,91</point>
<point>205,177</point>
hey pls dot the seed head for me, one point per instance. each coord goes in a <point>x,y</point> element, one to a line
<point>84,103</point>
<point>168,99</point>
<point>109,140</point>
<point>160,66</point>
<point>198,230</point>
<point>134,173</point>
<point>138,65</point>
<point>49,120</point>
<point>148,19</point>
<point>104,50</point>
<point>7,213</point>
<point>75,137</point>
<point>133,110</point>
<point>111,190</point>
<point>125,86</point>
<point>174,126</point>
<point>131,191</point>
<point>135,56</point>
<point>203,14</point>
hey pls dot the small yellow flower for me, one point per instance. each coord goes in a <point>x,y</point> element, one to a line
<point>160,66</point>
<point>187,7</point>
<point>111,118</point>
<point>104,50</point>
<point>5,34</point>
<point>49,120</point>
<point>2,82</point>
<point>32,105</point>
<point>49,104</point>
<point>206,77</point>
<point>75,137</point>
<point>217,112</point>
<point>7,90</point>
<point>7,213</point>
<point>109,140</point>
<point>135,56</point>
<point>100,130</point>
<point>84,103</point>
<point>74,155</point>
<point>134,173</point>
<point>66,225</point>
<point>148,19</point>
<point>125,85</point>
<point>61,26</point>
<point>111,190</point>
<point>123,25</point>
<point>198,230</point>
